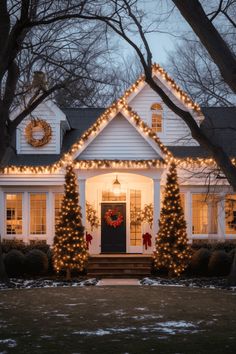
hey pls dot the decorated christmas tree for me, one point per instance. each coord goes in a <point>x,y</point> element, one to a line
<point>70,248</point>
<point>172,251</point>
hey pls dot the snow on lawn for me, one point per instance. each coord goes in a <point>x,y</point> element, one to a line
<point>45,283</point>
<point>10,343</point>
<point>207,283</point>
<point>168,328</point>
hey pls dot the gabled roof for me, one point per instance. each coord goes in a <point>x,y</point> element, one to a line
<point>219,123</point>
<point>104,119</point>
<point>163,76</point>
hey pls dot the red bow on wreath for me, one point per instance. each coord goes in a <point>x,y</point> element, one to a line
<point>147,240</point>
<point>88,239</point>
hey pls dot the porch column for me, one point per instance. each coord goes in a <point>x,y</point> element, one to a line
<point>156,205</point>
<point>82,199</point>
<point>188,215</point>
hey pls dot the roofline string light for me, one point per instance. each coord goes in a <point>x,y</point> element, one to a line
<point>121,105</point>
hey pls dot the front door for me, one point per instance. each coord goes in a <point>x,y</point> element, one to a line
<point>113,239</point>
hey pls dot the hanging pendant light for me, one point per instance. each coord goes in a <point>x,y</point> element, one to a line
<point>116,186</point>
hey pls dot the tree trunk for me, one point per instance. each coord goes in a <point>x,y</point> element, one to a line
<point>232,275</point>
<point>68,274</point>
<point>218,49</point>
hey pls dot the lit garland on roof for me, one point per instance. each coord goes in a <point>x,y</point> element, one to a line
<point>116,164</point>
<point>158,70</point>
<point>122,106</point>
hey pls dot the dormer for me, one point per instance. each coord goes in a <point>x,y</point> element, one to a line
<point>42,132</point>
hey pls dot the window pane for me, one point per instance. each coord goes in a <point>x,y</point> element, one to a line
<point>38,213</point>
<point>111,196</point>
<point>58,202</point>
<point>156,109</point>
<point>204,214</point>
<point>230,214</point>
<point>14,214</point>
<point>135,226</point>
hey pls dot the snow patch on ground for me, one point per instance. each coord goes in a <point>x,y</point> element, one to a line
<point>207,283</point>
<point>167,328</point>
<point>45,283</point>
<point>11,343</point>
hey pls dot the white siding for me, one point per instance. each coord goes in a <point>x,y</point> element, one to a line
<point>119,140</point>
<point>175,131</point>
<point>45,112</point>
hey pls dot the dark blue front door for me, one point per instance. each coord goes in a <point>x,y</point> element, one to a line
<point>113,240</point>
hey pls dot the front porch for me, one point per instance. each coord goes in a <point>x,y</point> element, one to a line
<point>134,193</point>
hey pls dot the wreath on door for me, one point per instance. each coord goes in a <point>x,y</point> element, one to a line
<point>113,217</point>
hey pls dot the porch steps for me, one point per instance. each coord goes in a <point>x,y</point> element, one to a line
<point>119,266</point>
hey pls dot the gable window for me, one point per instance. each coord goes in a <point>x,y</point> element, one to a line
<point>14,214</point>
<point>156,110</point>
<point>204,214</point>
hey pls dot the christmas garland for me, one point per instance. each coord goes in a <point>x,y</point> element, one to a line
<point>113,217</point>
<point>91,215</point>
<point>47,130</point>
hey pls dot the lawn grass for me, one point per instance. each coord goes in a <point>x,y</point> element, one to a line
<point>117,320</point>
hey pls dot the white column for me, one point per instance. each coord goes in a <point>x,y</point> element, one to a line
<point>82,199</point>
<point>26,216</point>
<point>188,215</point>
<point>221,217</point>
<point>50,217</point>
<point>2,215</point>
<point>156,206</point>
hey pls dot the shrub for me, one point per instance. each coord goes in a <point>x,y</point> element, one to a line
<point>50,261</point>
<point>231,254</point>
<point>8,245</point>
<point>14,263</point>
<point>227,246</point>
<point>199,261</point>
<point>36,262</point>
<point>219,263</point>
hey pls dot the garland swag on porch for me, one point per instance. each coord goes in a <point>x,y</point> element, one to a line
<point>70,247</point>
<point>172,251</point>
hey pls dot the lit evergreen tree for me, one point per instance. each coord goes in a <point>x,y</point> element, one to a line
<point>172,251</point>
<point>70,248</point>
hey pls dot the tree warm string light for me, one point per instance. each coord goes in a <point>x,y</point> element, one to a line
<point>70,247</point>
<point>172,251</point>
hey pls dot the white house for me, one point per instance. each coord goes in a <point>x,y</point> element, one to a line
<point>130,143</point>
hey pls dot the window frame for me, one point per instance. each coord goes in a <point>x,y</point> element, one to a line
<point>157,111</point>
<point>37,235</point>
<point>15,235</point>
<point>205,235</point>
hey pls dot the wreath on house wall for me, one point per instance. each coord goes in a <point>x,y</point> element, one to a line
<point>44,126</point>
<point>113,217</point>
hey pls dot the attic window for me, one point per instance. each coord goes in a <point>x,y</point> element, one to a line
<point>156,109</point>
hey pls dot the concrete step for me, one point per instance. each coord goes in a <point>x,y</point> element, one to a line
<point>117,265</point>
<point>125,266</point>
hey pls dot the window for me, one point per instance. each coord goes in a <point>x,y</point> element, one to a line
<point>38,213</point>
<point>14,214</point>
<point>204,214</point>
<point>230,214</point>
<point>135,225</point>
<point>58,202</point>
<point>156,109</point>
<point>108,196</point>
